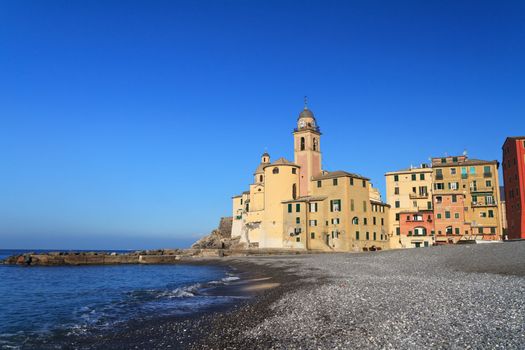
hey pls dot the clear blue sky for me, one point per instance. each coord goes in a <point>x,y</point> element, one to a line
<point>127,124</point>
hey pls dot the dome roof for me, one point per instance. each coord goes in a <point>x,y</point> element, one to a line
<point>260,169</point>
<point>265,154</point>
<point>306,113</point>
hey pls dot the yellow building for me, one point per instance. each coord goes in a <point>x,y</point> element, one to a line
<point>409,192</point>
<point>298,205</point>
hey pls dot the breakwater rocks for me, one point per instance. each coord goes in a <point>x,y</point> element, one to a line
<point>164,256</point>
<point>161,256</point>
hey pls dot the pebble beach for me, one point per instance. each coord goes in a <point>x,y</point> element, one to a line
<point>450,297</point>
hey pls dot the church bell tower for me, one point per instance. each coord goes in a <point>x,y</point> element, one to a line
<point>307,149</point>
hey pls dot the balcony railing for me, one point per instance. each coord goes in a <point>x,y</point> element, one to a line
<point>487,174</point>
<point>482,189</point>
<point>439,177</point>
<point>418,195</point>
<point>464,176</point>
<point>478,204</point>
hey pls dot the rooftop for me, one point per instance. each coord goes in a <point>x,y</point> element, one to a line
<point>338,173</point>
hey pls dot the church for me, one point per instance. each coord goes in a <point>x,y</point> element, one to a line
<point>299,205</point>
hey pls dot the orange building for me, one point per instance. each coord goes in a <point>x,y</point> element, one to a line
<point>514,180</point>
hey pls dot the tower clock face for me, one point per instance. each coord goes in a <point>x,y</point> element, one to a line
<point>302,123</point>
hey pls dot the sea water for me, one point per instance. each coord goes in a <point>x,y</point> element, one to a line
<point>42,303</point>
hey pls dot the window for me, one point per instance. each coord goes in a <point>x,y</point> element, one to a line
<point>439,174</point>
<point>352,181</point>
<point>355,220</point>
<point>397,204</point>
<point>375,236</point>
<point>313,207</point>
<point>453,185</point>
<point>456,215</point>
<point>483,214</point>
<point>429,205</point>
<point>486,169</point>
<point>298,239</point>
<point>260,178</point>
<point>312,222</point>
<point>413,177</point>
<point>364,183</point>
<point>290,207</point>
<point>294,191</point>
<point>439,215</point>
<point>447,215</point>
<point>368,236</point>
<point>418,217</point>
<point>455,159</point>
<point>414,204</point>
<point>443,160</point>
<point>474,199</point>
<point>449,230</point>
<point>312,235</point>
<point>439,199</point>
<point>452,171</point>
<point>315,144</point>
<point>396,178</point>
<point>294,170</point>
<point>491,213</point>
<point>302,144</point>
<point>397,216</point>
<point>364,206</point>
<point>382,222</point>
<point>374,220</point>
<point>439,186</point>
<point>298,207</point>
<point>319,183</point>
<point>488,183</point>
<point>351,204</point>
<point>297,220</point>
<point>334,182</point>
<point>480,230</point>
<point>422,176</point>
<point>489,200</point>
<point>241,201</point>
<point>335,205</point>
<point>454,198</point>
<point>472,169</point>
<point>493,230</point>
<point>357,235</point>
<point>275,170</point>
<point>398,231</point>
<point>396,190</point>
<point>365,221</point>
<point>335,221</point>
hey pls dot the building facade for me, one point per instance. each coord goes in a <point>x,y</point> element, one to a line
<point>298,205</point>
<point>409,193</point>
<point>514,184</point>
<point>462,202</point>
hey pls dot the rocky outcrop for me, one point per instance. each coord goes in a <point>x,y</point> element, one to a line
<point>220,238</point>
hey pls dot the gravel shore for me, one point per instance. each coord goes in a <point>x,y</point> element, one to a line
<point>470,296</point>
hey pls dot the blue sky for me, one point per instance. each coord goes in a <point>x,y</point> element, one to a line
<point>126,124</point>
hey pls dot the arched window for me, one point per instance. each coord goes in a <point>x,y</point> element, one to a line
<point>449,230</point>
<point>420,231</point>
<point>260,178</point>
<point>302,144</point>
<point>275,170</point>
<point>315,143</point>
<point>294,191</point>
<point>355,220</point>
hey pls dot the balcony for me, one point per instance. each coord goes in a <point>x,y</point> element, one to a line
<point>418,195</point>
<point>439,176</point>
<point>464,176</point>
<point>480,205</point>
<point>480,189</point>
<point>487,174</point>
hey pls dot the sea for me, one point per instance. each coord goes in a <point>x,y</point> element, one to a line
<point>39,305</point>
